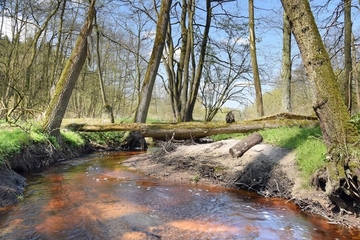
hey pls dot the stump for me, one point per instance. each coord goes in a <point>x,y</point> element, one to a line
<point>135,141</point>
<point>241,147</point>
<point>230,117</point>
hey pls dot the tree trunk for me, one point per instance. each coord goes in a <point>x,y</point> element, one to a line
<point>339,134</point>
<point>106,106</point>
<point>286,64</point>
<point>255,68</point>
<point>154,62</point>
<point>347,53</point>
<point>355,74</point>
<point>57,61</point>
<point>195,80</point>
<point>58,104</point>
<point>241,147</point>
<point>199,130</point>
<point>34,50</point>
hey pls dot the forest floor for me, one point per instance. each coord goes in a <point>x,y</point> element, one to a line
<point>269,170</point>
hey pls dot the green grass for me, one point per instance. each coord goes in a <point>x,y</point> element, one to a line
<point>72,138</point>
<point>13,139</point>
<point>306,142</point>
<point>11,142</point>
<point>220,137</point>
<point>103,137</point>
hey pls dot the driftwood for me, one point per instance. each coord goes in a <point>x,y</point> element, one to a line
<point>199,129</point>
<point>241,147</point>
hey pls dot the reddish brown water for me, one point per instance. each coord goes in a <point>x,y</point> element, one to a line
<point>96,198</point>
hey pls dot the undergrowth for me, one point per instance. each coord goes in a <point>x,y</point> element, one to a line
<point>103,138</point>
<point>14,138</point>
<point>11,142</point>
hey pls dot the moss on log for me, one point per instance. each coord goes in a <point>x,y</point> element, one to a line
<point>190,130</point>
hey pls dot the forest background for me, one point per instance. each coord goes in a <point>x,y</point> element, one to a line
<point>37,38</point>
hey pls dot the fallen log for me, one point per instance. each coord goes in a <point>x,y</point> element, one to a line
<point>192,130</point>
<point>241,147</point>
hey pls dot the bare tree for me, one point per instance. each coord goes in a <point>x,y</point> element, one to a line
<point>185,74</point>
<point>226,69</point>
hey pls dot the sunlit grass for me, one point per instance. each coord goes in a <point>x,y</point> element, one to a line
<point>220,137</point>
<point>14,139</point>
<point>72,138</point>
<point>306,142</point>
<point>11,142</point>
<point>103,137</point>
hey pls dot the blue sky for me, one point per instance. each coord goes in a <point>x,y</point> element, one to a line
<point>268,15</point>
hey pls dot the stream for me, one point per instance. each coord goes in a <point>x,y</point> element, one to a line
<point>95,197</point>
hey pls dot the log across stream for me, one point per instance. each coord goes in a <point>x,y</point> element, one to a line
<point>192,130</point>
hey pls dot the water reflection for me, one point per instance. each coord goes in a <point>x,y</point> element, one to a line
<point>96,198</point>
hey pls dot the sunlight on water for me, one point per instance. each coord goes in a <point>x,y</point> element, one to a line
<point>96,198</point>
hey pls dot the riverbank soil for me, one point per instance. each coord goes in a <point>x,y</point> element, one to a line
<point>269,170</point>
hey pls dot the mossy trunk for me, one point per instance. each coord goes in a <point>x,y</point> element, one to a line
<point>286,64</point>
<point>154,62</point>
<point>58,104</point>
<point>340,136</point>
<point>347,55</point>
<point>191,130</point>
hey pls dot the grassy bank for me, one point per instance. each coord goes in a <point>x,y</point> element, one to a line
<point>306,142</point>
<point>14,139</point>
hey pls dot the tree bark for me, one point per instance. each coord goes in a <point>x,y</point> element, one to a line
<point>154,62</point>
<point>241,147</point>
<point>347,53</point>
<point>106,106</point>
<point>286,64</point>
<point>255,68</point>
<point>339,134</point>
<point>195,81</point>
<point>58,104</point>
<point>198,130</point>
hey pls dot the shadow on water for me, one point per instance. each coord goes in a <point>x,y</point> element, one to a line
<point>96,198</point>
